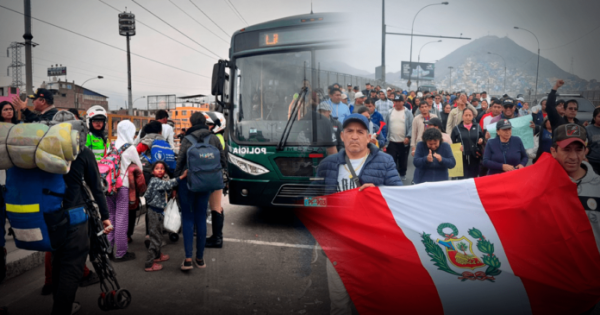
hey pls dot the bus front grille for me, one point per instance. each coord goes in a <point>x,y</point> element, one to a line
<point>295,166</point>
<point>294,194</point>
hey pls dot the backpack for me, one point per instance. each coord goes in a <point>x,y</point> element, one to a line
<point>109,168</point>
<point>205,173</point>
<point>34,209</point>
<point>161,151</point>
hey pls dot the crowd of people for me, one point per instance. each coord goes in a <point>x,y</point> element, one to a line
<point>141,175</point>
<point>376,132</point>
<point>572,143</point>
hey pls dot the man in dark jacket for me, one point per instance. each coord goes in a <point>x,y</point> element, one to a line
<point>372,167</point>
<point>571,107</point>
<point>43,101</point>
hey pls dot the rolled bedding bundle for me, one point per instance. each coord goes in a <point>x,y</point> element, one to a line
<point>28,146</point>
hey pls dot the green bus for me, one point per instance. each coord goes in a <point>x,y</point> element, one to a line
<point>268,90</point>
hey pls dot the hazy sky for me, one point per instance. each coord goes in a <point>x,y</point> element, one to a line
<point>548,19</point>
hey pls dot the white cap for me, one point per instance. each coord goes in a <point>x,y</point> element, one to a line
<point>520,99</point>
<point>389,88</point>
<point>344,96</point>
<point>358,95</point>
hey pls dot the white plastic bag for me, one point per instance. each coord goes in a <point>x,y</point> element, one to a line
<point>531,153</point>
<point>172,221</point>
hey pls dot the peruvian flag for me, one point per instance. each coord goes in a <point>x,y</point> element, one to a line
<point>512,243</point>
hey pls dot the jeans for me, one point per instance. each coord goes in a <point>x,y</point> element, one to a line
<point>193,212</point>
<point>399,152</point>
<point>67,268</point>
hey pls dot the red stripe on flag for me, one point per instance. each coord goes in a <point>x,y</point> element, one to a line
<point>378,264</point>
<point>546,235</point>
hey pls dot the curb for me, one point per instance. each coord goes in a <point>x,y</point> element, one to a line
<point>20,261</point>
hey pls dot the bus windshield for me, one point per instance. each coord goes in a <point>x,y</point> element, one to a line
<point>266,89</point>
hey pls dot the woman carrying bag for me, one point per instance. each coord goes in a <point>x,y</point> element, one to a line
<point>470,136</point>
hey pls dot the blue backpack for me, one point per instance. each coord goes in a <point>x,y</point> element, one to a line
<point>205,173</point>
<point>34,209</point>
<point>161,151</point>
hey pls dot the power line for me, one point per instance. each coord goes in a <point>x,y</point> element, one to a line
<point>215,23</point>
<point>173,27</point>
<point>165,35</point>
<point>198,22</point>
<point>106,44</point>
<point>236,11</point>
<point>582,36</point>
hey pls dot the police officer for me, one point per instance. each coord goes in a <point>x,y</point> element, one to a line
<point>96,139</point>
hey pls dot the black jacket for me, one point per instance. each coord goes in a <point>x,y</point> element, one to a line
<point>84,168</point>
<point>30,116</point>
<point>199,132</point>
<point>468,138</point>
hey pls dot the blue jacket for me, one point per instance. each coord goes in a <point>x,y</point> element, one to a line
<point>377,118</point>
<point>432,171</point>
<point>493,158</point>
<point>379,169</point>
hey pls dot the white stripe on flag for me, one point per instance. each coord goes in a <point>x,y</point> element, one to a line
<point>421,209</point>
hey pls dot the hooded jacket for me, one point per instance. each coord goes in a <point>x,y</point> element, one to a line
<point>135,176</point>
<point>146,142</point>
<point>199,132</point>
<point>379,169</point>
<point>125,133</point>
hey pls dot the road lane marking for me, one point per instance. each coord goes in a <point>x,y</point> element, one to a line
<point>269,243</point>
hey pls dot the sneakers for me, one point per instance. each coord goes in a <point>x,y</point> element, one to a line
<point>47,289</point>
<point>403,177</point>
<point>91,278</point>
<point>155,267</point>
<point>199,263</point>
<point>126,257</point>
<point>186,265</point>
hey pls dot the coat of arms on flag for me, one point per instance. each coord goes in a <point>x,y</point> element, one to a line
<point>459,251</point>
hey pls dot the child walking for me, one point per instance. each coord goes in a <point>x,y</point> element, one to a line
<point>156,195</point>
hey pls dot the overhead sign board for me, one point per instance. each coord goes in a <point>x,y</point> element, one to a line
<point>57,71</point>
<point>420,71</point>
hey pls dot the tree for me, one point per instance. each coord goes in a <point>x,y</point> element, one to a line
<point>462,247</point>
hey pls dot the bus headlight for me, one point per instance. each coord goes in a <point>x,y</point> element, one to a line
<point>247,166</point>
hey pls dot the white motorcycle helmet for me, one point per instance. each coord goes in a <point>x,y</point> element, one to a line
<point>94,112</point>
<point>223,123</point>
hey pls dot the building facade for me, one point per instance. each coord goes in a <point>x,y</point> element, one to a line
<point>70,95</point>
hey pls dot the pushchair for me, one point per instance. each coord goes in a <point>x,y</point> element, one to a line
<point>112,297</point>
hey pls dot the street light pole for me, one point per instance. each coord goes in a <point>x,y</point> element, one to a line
<point>538,61</point>
<point>411,37</point>
<point>491,53</point>
<point>450,78</point>
<point>81,86</point>
<point>419,58</point>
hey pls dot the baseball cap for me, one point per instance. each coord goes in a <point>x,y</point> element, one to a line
<point>324,106</point>
<point>344,96</point>
<point>358,95</point>
<point>569,133</point>
<point>356,118</point>
<point>520,99</point>
<point>508,102</point>
<point>503,124</point>
<point>43,93</point>
<point>484,92</point>
<point>389,88</point>
<point>349,84</point>
<point>398,98</point>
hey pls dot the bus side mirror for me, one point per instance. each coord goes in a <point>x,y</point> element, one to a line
<point>218,77</point>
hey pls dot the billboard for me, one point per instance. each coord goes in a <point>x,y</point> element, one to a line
<point>165,102</point>
<point>57,71</point>
<point>420,70</point>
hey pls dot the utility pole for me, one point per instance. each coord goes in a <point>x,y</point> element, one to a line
<point>28,44</point>
<point>16,64</point>
<point>127,29</point>
<point>450,78</point>
<point>383,40</point>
